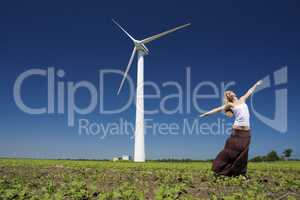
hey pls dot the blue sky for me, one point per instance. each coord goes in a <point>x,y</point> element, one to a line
<point>228,41</point>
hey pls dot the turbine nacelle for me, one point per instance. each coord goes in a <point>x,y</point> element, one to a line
<point>141,47</point>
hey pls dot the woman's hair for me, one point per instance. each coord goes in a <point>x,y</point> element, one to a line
<point>228,98</point>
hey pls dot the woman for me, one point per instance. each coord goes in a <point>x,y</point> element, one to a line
<point>233,159</point>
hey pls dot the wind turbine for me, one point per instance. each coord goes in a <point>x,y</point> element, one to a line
<point>142,50</point>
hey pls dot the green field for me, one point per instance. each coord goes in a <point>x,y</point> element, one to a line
<point>56,179</point>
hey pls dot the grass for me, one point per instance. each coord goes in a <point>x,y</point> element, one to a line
<point>66,179</point>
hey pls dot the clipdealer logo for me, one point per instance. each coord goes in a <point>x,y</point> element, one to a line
<point>61,96</point>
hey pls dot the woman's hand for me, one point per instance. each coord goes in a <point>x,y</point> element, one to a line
<point>260,82</point>
<point>203,115</point>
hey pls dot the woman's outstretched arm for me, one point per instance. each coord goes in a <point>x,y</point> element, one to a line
<point>250,91</point>
<point>216,110</point>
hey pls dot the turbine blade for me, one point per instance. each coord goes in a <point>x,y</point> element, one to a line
<point>123,30</point>
<point>150,39</point>
<point>127,69</point>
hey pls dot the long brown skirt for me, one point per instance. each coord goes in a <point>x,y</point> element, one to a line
<point>233,159</point>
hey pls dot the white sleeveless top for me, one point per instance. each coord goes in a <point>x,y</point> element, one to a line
<point>242,116</point>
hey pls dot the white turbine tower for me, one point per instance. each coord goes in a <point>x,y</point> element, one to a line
<point>141,49</point>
